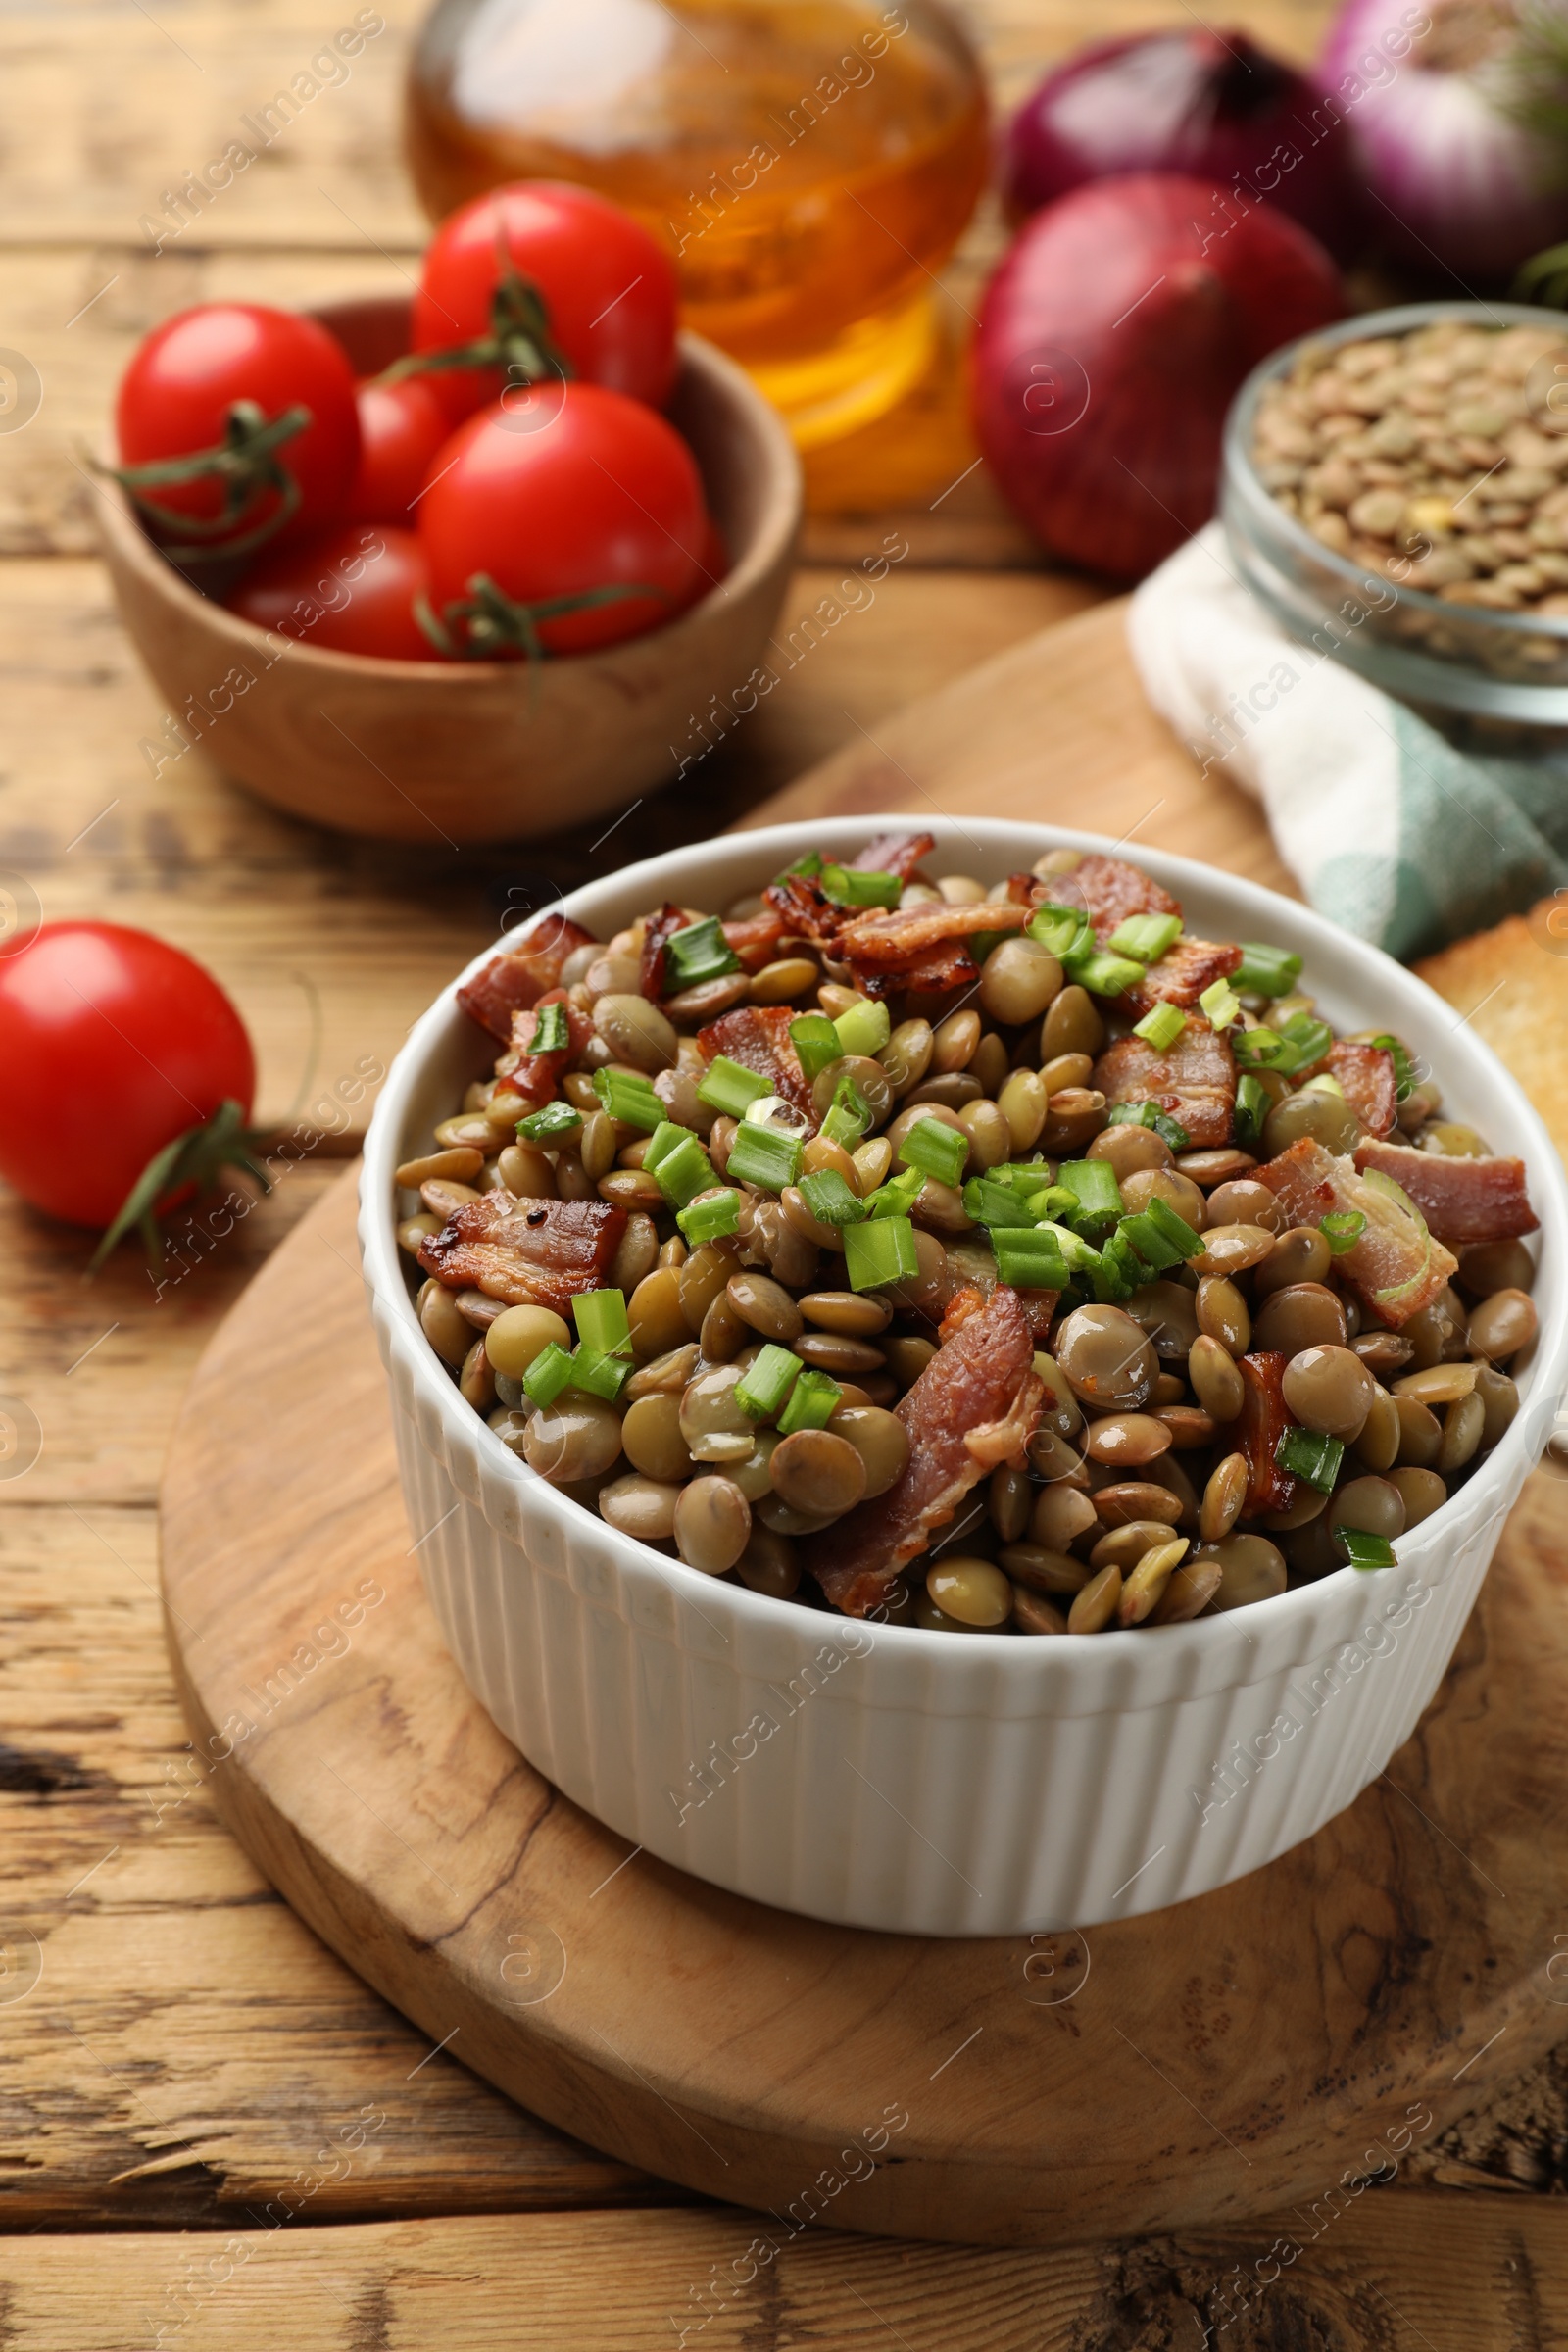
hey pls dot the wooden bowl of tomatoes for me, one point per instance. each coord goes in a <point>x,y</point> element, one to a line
<point>596,549</point>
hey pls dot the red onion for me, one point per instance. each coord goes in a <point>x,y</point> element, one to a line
<point>1455,176</point>
<point>1111,340</point>
<point>1208,103</point>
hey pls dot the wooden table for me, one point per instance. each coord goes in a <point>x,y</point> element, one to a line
<point>169,2080</point>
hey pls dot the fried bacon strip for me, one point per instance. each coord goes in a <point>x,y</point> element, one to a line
<point>527,1253</point>
<point>976,1403</point>
<point>1462,1201</point>
<point>1181,976</point>
<point>657,931</point>
<point>511,982</point>
<point>1371,1089</point>
<point>1195,1082</point>
<point>537,1076</point>
<point>755,938</point>
<point>804,909</point>
<point>1396,1267</point>
<point>893,854</point>
<point>757,1036</point>
<point>1264,1420</point>
<point>922,947</point>
<point>1110,890</point>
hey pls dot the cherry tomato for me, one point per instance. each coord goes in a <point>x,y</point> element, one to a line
<point>177,399</point>
<point>402,426</point>
<point>571,490</point>
<point>608,290</point>
<point>348,591</point>
<point>112,1044</point>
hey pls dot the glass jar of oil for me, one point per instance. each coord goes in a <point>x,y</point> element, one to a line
<point>810,164</point>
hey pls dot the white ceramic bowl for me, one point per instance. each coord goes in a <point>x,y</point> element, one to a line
<point>972,1785</point>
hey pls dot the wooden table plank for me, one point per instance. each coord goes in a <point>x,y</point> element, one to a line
<point>1493,2277</point>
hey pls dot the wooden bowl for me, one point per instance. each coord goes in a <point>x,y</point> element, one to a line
<point>413,751</point>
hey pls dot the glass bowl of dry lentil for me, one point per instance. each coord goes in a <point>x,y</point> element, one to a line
<point>1396,491</point>
<point>850,1676</point>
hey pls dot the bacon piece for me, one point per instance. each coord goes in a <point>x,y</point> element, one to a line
<point>1462,1201</point>
<point>1181,975</point>
<point>755,938</point>
<point>1195,1082</point>
<point>1111,889</point>
<point>804,909</point>
<point>976,1403</point>
<point>1023,890</point>
<point>933,976</point>
<point>527,1253</point>
<point>1371,1089</point>
<point>893,854</point>
<point>1396,1267</point>
<point>511,982</point>
<point>974,1293</point>
<point>657,931</point>
<point>922,947</point>
<point>757,1036</point>
<point>537,1076</point>
<point>1264,1420</point>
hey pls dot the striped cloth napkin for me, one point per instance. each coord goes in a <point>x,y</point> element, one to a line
<point>1390,831</point>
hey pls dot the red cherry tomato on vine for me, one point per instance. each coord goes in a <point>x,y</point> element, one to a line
<point>112,1044</point>
<point>177,401</point>
<point>579,490</point>
<point>402,426</point>
<point>348,591</point>
<point>609,289</point>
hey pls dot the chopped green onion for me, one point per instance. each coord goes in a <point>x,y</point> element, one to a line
<point>698,953</point>
<point>831,1200</point>
<point>708,1220</point>
<point>1311,1038</point>
<point>1324,1083</point>
<point>668,1137</point>
<point>559,1118</point>
<point>850,886</point>
<point>547,1375</point>
<point>1118,1271</point>
<point>683,1169</point>
<point>1021,1176</point>
<point>863,1028</point>
<point>1366,1551</point>
<point>939,1150</point>
<point>601,1321</point>
<point>1149,1115</point>
<point>1262,1049</point>
<point>551,1033</point>
<point>810,865</point>
<point>1030,1259</point>
<point>898,1196</point>
<point>812,1402</point>
<point>1404,1066</point>
<point>997,1205</point>
<point>1093,1186</point>
<point>761,1155</point>
<point>1253,1103</point>
<point>767,1382</point>
<point>1221,1003</point>
<point>1051,1202</point>
<point>1342,1229</point>
<point>881,1251</point>
<point>729,1086</point>
<point>1155,1250</point>
<point>1304,1453</point>
<point>1062,930</point>
<point>1161,1027</point>
<point>1175,1228</point>
<point>1268,971</point>
<point>849,1116</point>
<point>816,1041</point>
<point>600,1375</point>
<point>1082,1257</point>
<point>1107,975</point>
<point>1146,936</point>
<point>630,1099</point>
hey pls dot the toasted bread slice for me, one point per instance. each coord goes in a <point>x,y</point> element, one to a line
<point>1511,985</point>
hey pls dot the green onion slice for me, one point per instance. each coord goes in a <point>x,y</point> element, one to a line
<point>1266,972</point>
<point>556,1120</point>
<point>1221,1003</point>
<point>1161,1027</point>
<point>767,1382</point>
<point>816,1041</point>
<point>849,886</point>
<point>831,1200</point>
<point>601,1321</point>
<point>630,1099</point>
<point>1366,1551</point>
<point>547,1375</point>
<point>812,1402</point>
<point>1147,936</point>
<point>941,1150</point>
<point>709,1218</point>
<point>698,953</point>
<point>552,1034</point>
<point>1305,1453</point>
<point>728,1086</point>
<point>880,1251</point>
<point>763,1157</point>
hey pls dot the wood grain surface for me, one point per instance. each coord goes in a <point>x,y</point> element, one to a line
<point>110,2066</point>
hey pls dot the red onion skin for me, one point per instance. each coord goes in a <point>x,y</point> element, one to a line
<point>1453,182</point>
<point>1212,104</point>
<point>1110,345</point>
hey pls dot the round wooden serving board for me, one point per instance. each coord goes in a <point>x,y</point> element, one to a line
<point>1228,2056</point>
